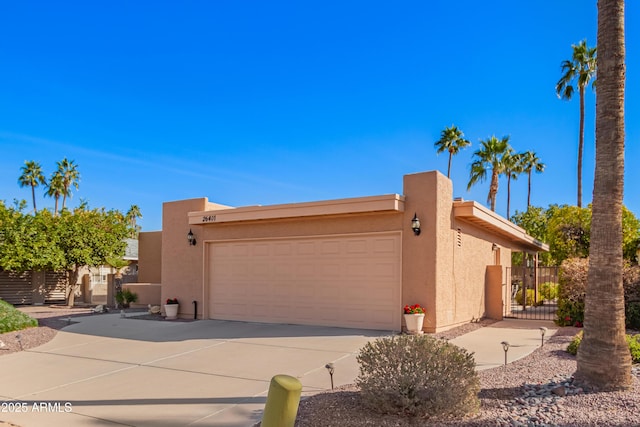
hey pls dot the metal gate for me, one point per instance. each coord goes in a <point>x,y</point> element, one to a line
<point>531,293</point>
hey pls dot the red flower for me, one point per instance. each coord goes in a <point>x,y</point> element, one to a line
<point>413,309</point>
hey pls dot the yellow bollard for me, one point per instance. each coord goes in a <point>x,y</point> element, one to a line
<point>281,408</point>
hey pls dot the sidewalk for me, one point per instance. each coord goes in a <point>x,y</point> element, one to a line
<point>523,337</point>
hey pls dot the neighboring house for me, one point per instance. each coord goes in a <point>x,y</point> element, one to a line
<point>48,287</point>
<point>349,262</point>
<point>97,285</point>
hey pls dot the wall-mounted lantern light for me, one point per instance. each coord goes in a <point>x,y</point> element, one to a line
<point>191,238</point>
<point>415,224</point>
<point>495,247</point>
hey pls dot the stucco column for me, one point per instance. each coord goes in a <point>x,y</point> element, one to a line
<point>183,276</point>
<point>426,270</point>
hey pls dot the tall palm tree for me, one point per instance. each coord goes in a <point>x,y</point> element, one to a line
<point>70,177</point>
<point>132,215</point>
<point>489,157</point>
<point>512,168</point>
<point>582,69</point>
<point>55,188</point>
<point>32,176</point>
<point>452,141</point>
<point>604,361</point>
<point>530,163</point>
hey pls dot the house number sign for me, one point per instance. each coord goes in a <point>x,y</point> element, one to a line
<point>209,218</point>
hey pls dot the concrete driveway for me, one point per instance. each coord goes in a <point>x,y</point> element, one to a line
<point>106,370</point>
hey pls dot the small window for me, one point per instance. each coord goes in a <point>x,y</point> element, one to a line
<point>99,277</point>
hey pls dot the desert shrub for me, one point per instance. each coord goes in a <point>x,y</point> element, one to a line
<point>572,348</point>
<point>549,290</point>
<point>12,319</point>
<point>632,340</point>
<point>530,297</point>
<point>417,376</point>
<point>634,347</point>
<point>573,278</point>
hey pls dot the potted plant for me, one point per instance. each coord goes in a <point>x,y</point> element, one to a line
<point>171,308</point>
<point>414,318</point>
<point>125,297</point>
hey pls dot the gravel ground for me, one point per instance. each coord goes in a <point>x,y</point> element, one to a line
<point>534,391</point>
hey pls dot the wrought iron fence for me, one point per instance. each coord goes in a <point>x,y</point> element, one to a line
<point>531,293</point>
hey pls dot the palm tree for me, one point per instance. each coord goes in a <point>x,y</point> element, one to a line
<point>582,69</point>
<point>530,163</point>
<point>604,361</point>
<point>55,188</point>
<point>32,176</point>
<point>512,168</point>
<point>490,156</point>
<point>70,177</point>
<point>451,140</point>
<point>132,215</point>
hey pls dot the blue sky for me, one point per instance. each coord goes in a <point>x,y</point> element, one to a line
<point>274,102</point>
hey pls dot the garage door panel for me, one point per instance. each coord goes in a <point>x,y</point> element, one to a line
<point>336,281</point>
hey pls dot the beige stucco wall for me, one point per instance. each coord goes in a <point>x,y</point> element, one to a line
<point>148,293</point>
<point>182,266</point>
<point>150,257</point>
<point>419,257</point>
<point>470,252</point>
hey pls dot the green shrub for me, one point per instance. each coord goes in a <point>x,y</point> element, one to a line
<point>570,313</point>
<point>632,340</point>
<point>417,376</point>
<point>530,298</point>
<point>572,348</point>
<point>12,319</point>
<point>634,347</point>
<point>549,290</point>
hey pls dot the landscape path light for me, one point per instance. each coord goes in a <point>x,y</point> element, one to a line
<point>505,347</point>
<point>330,369</point>
<point>543,331</point>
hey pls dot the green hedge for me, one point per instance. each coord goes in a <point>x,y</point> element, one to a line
<point>14,320</point>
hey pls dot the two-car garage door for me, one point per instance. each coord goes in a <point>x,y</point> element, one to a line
<point>349,281</point>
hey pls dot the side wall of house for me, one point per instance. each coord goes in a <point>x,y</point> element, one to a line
<point>469,254</point>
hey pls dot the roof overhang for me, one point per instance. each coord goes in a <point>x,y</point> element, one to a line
<point>480,216</point>
<point>391,203</point>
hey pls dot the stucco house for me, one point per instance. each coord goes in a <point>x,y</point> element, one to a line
<point>350,262</point>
